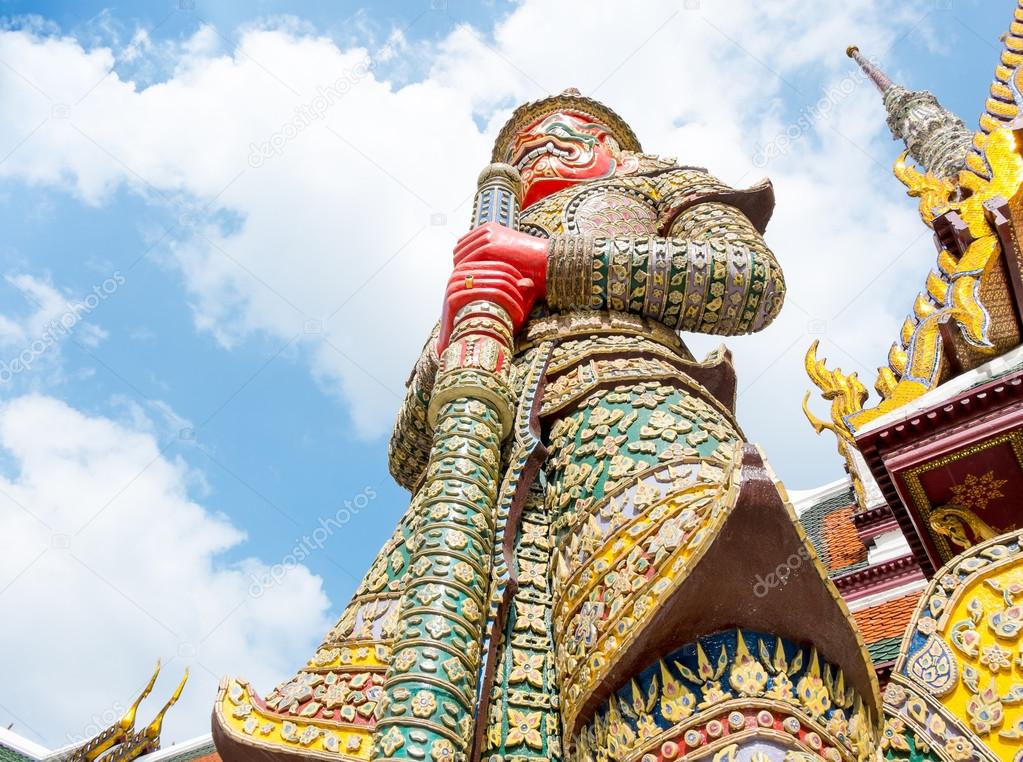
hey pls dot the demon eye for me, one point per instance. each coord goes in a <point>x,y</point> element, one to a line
<point>559,130</point>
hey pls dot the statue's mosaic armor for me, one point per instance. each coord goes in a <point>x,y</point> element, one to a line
<point>643,470</point>
<point>636,468</point>
<point>628,427</point>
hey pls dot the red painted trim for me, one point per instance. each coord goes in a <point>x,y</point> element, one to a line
<point>953,438</point>
<point>991,396</point>
<point>873,522</point>
<point>878,578</point>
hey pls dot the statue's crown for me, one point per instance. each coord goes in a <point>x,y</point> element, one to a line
<point>569,100</point>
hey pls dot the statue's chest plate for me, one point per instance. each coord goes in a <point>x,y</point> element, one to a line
<point>601,209</point>
<point>611,212</point>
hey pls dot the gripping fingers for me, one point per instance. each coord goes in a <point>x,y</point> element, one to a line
<point>511,301</point>
<point>460,280</point>
<point>506,294</point>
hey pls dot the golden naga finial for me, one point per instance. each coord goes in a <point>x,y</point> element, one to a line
<point>845,392</point>
<point>935,193</point>
<point>847,395</point>
<point>127,742</point>
<point>116,734</point>
<point>127,722</point>
<point>154,728</point>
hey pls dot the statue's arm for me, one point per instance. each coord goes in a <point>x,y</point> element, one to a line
<point>710,271</point>
<point>409,446</point>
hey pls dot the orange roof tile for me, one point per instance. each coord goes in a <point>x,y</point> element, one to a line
<point>844,545</point>
<point>886,620</point>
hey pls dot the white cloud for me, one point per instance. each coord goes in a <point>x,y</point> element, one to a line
<point>31,338</point>
<point>114,566</point>
<point>340,213</point>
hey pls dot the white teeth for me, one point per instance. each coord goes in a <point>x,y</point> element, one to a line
<point>546,148</point>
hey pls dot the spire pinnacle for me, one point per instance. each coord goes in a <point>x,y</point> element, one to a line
<point>878,77</point>
<point>935,137</point>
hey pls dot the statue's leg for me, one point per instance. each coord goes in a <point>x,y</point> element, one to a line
<point>635,471</point>
<point>524,721</point>
<point>663,521</point>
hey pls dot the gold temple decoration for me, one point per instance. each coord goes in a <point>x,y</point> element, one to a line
<point>846,394</point>
<point>951,292</point>
<point>121,741</point>
<point>949,306</point>
<point>935,193</point>
<point>1003,101</point>
<point>955,688</point>
<point>975,492</point>
<point>953,521</point>
<point>959,519</point>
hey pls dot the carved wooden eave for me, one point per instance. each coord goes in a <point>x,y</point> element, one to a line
<point>874,521</point>
<point>902,569</point>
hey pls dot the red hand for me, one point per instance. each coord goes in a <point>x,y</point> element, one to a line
<point>496,282</point>
<point>497,243</point>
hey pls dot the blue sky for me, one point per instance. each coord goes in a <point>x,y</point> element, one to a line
<point>269,417</point>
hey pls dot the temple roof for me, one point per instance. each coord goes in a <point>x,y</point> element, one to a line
<point>999,367</point>
<point>17,748</point>
<point>970,307</point>
<point>826,515</point>
<point>883,625</point>
<point>828,524</point>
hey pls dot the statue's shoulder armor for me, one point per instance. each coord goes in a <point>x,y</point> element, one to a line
<point>650,164</point>
<point>685,179</point>
<point>680,188</point>
<point>625,205</point>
